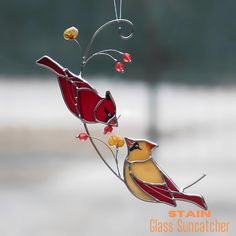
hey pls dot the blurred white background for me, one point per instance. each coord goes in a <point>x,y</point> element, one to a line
<point>52,184</point>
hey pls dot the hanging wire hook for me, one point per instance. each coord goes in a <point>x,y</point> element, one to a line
<point>115,9</point>
<point>118,19</point>
<point>120,8</point>
<point>125,37</point>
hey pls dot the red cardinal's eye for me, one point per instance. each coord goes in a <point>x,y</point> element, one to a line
<point>109,115</point>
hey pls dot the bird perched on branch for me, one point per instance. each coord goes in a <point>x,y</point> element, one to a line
<point>147,181</point>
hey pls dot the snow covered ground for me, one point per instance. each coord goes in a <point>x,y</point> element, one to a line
<point>50,184</point>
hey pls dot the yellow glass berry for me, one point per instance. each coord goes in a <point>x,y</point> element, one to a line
<point>111,141</point>
<point>116,140</point>
<point>121,143</point>
<point>71,33</point>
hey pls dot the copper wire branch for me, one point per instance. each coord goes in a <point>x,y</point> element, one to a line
<point>203,176</point>
<point>86,57</point>
<point>101,156</point>
<point>105,52</point>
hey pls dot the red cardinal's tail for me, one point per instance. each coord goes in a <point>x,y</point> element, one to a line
<point>49,63</point>
<point>196,199</point>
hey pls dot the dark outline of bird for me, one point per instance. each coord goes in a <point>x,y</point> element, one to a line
<point>148,182</point>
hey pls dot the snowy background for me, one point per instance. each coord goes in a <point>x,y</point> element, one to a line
<point>52,184</point>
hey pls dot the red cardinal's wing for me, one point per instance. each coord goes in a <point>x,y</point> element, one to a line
<point>78,95</point>
<point>160,192</point>
<point>87,99</point>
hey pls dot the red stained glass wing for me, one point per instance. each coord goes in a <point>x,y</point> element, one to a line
<point>68,91</point>
<point>78,95</point>
<point>170,183</point>
<point>160,194</point>
<point>81,99</point>
<point>71,89</point>
<point>87,101</point>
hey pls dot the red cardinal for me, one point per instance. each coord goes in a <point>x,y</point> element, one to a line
<point>147,181</point>
<point>80,97</point>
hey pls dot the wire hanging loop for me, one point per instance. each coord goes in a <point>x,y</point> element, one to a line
<point>115,9</point>
<point>124,37</point>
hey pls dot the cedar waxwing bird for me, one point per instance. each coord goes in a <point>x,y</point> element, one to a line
<point>147,181</point>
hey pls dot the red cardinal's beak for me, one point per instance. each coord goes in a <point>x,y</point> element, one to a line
<point>129,142</point>
<point>113,122</point>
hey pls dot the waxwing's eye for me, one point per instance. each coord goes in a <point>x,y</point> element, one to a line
<point>109,114</point>
<point>135,146</point>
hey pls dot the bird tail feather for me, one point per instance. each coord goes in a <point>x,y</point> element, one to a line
<point>193,198</point>
<point>49,63</point>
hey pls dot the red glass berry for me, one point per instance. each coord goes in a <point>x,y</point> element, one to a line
<point>126,57</point>
<point>119,67</point>
<point>108,129</point>
<point>82,137</point>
